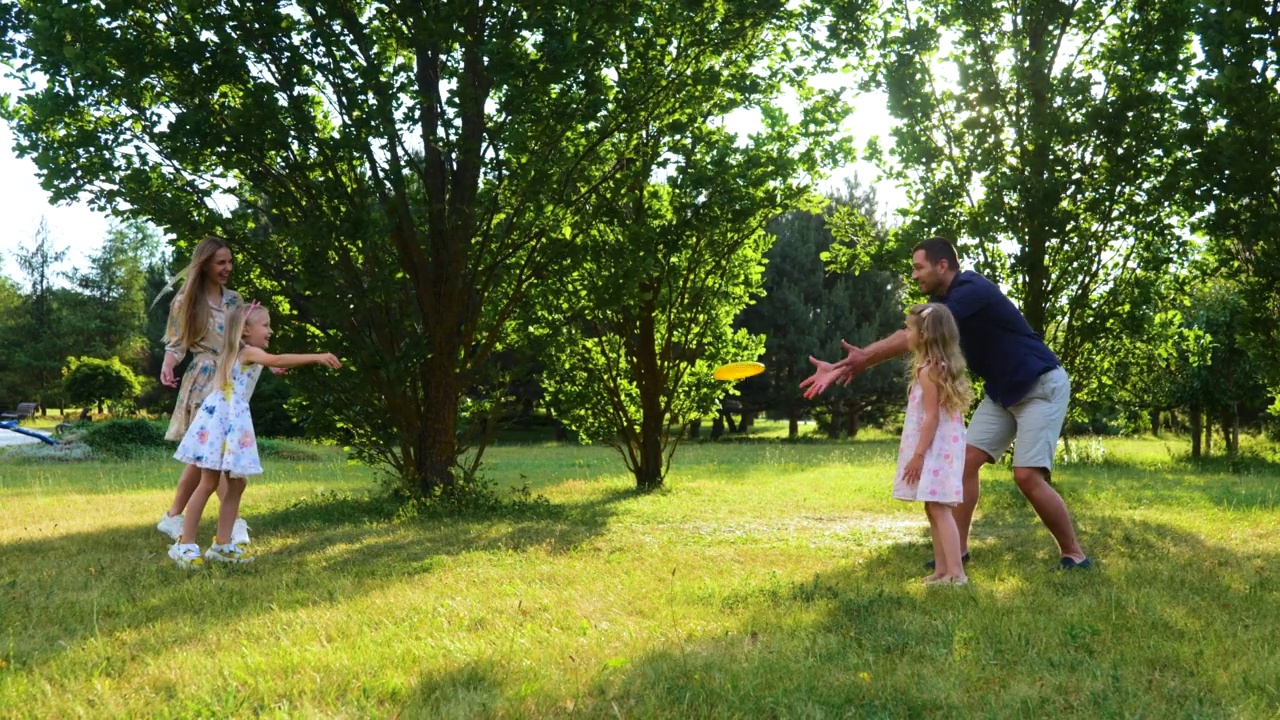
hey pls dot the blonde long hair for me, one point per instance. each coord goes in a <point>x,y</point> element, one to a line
<point>232,341</point>
<point>189,304</point>
<point>939,349</point>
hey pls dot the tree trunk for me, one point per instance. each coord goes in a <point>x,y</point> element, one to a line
<point>649,382</point>
<point>1040,202</point>
<point>793,425</point>
<point>854,422</point>
<point>1235,429</point>
<point>1208,433</point>
<point>733,427</point>
<point>717,427</point>
<point>695,429</point>
<point>438,448</point>
<point>1154,415</point>
<point>1195,433</point>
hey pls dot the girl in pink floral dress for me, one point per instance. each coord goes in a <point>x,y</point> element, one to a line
<point>220,437</point>
<point>931,454</point>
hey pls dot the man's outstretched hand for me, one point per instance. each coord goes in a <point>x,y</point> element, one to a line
<point>843,372</point>
<point>821,379</point>
<point>855,361</point>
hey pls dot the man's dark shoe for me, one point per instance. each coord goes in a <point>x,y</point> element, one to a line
<point>1067,563</point>
<point>964,560</point>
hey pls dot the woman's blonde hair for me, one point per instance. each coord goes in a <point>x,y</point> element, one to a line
<point>189,305</point>
<point>939,349</point>
<point>232,341</point>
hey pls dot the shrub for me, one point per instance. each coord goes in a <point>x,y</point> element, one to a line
<point>125,438</point>
<point>89,380</point>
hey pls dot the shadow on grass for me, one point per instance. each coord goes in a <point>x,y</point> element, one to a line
<point>58,592</point>
<point>1169,626</point>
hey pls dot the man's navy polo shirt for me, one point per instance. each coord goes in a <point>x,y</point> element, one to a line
<point>998,343</point>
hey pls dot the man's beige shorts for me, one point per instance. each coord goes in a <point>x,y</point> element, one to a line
<point>1032,425</point>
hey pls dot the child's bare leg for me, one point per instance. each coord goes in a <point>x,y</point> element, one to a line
<point>938,567</point>
<point>222,488</point>
<point>947,538</point>
<point>187,483</point>
<point>230,508</point>
<point>195,506</point>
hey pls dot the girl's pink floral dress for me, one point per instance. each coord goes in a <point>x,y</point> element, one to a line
<point>942,479</point>
<point>220,436</point>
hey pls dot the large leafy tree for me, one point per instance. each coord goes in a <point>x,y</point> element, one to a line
<point>397,175</point>
<point>1233,111</point>
<point>671,249</point>
<point>1043,135</point>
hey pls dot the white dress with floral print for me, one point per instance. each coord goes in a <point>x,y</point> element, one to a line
<point>220,436</point>
<point>942,479</point>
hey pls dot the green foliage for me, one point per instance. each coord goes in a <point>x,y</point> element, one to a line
<point>37,335</point>
<point>807,309</point>
<point>270,406</point>
<point>110,303</point>
<point>668,248</point>
<point>1044,137</point>
<point>1232,111</point>
<point>125,438</point>
<point>87,380</point>
<point>403,175</point>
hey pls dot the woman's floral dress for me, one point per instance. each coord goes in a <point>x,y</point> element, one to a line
<point>197,381</point>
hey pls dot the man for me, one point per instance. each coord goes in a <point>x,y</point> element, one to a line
<point>1027,391</point>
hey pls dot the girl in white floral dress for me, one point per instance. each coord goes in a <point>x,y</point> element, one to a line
<point>220,438</point>
<point>931,454</point>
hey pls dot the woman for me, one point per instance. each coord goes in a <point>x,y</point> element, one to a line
<point>197,320</point>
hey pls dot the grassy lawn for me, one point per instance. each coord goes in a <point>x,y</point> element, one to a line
<point>769,580</point>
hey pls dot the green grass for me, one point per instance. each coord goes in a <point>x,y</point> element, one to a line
<point>769,580</point>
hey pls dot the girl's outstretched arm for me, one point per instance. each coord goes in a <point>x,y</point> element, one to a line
<point>290,360</point>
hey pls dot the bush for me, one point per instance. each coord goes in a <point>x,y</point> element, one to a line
<point>89,380</point>
<point>270,408</point>
<point>125,438</point>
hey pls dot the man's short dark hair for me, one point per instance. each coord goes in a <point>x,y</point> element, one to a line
<point>937,249</point>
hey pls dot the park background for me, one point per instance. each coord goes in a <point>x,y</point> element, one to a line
<point>530,235</point>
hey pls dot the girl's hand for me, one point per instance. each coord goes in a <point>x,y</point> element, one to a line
<point>329,360</point>
<point>911,473</point>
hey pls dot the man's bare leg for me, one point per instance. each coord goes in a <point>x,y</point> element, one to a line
<point>1049,506</point>
<point>974,459</point>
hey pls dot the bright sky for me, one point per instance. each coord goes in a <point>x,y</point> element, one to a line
<point>80,230</point>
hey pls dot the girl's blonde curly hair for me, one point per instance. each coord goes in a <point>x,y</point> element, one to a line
<point>939,350</point>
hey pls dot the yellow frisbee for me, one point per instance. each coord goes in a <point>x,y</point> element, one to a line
<point>738,370</point>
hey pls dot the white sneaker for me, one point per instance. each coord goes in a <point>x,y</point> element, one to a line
<point>187,556</point>
<point>240,532</point>
<point>228,553</point>
<point>170,525</point>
